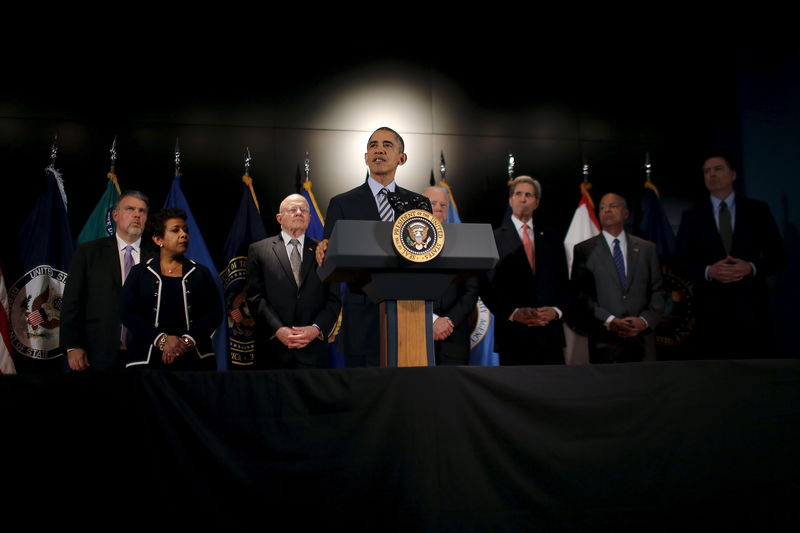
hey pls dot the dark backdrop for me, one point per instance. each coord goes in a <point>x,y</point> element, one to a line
<point>606,105</point>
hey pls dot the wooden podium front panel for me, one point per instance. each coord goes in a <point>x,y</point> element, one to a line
<point>411,333</point>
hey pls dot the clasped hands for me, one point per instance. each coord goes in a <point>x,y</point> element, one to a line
<point>729,270</point>
<point>539,316</point>
<point>173,348</point>
<point>296,337</point>
<point>627,327</point>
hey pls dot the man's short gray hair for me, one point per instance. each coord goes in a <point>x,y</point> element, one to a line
<point>537,187</point>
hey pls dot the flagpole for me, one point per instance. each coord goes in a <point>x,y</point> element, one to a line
<point>511,163</point>
<point>112,173</point>
<point>54,152</point>
<point>648,170</point>
<point>247,179</point>
<point>177,157</point>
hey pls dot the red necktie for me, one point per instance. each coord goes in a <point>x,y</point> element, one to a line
<point>528,245</point>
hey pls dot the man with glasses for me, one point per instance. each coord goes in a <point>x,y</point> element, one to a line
<point>295,311</point>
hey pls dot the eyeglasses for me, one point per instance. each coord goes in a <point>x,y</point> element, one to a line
<point>303,210</point>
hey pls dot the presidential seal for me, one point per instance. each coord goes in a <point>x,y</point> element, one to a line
<point>35,309</point>
<point>418,236</point>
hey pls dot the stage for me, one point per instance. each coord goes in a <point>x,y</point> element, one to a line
<point>653,446</point>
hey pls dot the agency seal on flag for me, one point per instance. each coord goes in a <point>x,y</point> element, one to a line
<point>35,312</point>
<point>418,236</point>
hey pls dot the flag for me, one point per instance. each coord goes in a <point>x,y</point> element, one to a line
<point>6,362</point>
<point>675,325</point>
<point>481,339</point>
<point>316,230</point>
<point>34,300</point>
<point>198,251</point>
<point>584,225</point>
<point>100,223</point>
<point>247,228</point>
<point>452,209</point>
<point>654,224</point>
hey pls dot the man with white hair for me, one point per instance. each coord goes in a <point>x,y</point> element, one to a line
<point>295,311</point>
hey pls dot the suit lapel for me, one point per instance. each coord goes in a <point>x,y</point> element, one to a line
<point>279,249</point>
<point>309,259</point>
<point>113,259</point>
<point>633,259</point>
<point>368,200</point>
<point>607,260</point>
<point>711,226</point>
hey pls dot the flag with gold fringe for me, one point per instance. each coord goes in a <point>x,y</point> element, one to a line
<point>246,229</point>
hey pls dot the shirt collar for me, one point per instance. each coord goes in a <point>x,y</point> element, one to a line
<point>121,244</point>
<point>286,238</point>
<point>518,223</point>
<point>728,201</point>
<point>610,238</point>
<point>375,186</point>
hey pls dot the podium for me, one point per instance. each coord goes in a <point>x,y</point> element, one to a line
<point>361,252</point>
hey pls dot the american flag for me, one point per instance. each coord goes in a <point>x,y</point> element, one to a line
<point>37,317</point>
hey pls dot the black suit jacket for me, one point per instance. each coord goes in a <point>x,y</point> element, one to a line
<point>360,336</point>
<point>600,294</point>
<point>512,284</point>
<point>738,309</point>
<point>275,301</point>
<point>755,239</point>
<point>457,303</point>
<point>141,309</point>
<point>90,310</point>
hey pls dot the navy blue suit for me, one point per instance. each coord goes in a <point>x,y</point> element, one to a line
<point>360,339</point>
<point>512,284</point>
<point>733,319</point>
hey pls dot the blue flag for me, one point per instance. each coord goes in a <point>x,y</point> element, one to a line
<point>316,230</point>
<point>100,223</point>
<point>247,228</point>
<point>46,248</point>
<point>198,251</point>
<point>481,339</point>
<point>654,224</point>
<point>452,209</point>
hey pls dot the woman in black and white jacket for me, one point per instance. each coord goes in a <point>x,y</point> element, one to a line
<point>170,305</point>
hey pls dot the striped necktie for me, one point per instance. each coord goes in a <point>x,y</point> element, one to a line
<point>384,209</point>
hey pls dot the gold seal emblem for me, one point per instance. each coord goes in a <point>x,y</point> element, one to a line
<point>418,236</point>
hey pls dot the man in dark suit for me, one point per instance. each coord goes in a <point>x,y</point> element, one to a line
<point>619,287</point>
<point>91,331</point>
<point>528,288</point>
<point>727,246</point>
<point>451,327</point>
<point>295,311</point>
<point>369,201</point>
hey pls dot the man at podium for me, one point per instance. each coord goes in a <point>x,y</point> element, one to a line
<point>369,201</point>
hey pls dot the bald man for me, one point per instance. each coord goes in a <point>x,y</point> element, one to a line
<point>619,286</point>
<point>451,328</point>
<point>295,311</point>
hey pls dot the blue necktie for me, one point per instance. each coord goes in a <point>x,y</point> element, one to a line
<point>619,262</point>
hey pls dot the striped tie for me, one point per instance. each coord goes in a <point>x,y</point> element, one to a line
<point>384,209</point>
